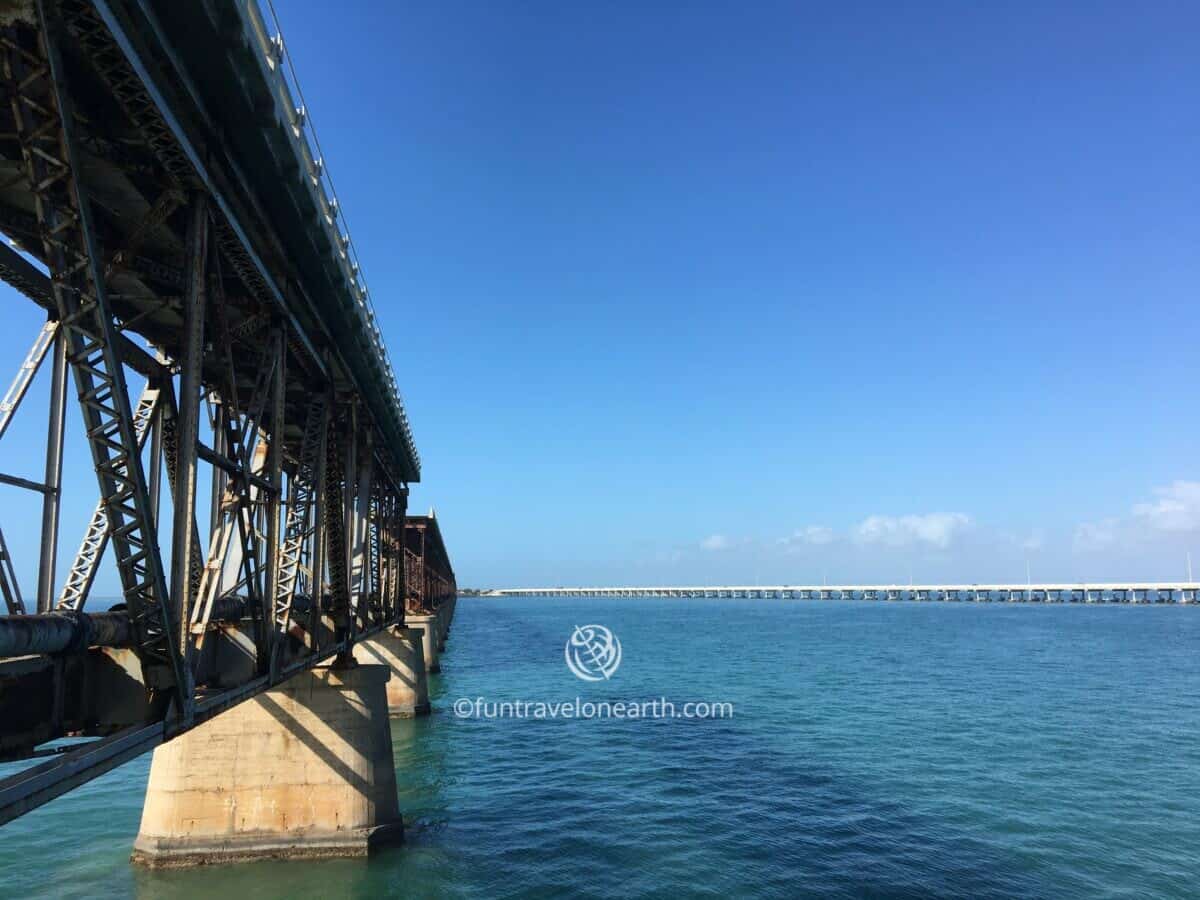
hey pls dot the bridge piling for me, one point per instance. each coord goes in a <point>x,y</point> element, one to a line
<point>304,769</point>
<point>428,624</point>
<point>442,624</point>
<point>448,616</point>
<point>400,649</point>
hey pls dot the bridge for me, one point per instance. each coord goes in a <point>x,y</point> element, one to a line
<point>168,208</point>
<point>1125,592</point>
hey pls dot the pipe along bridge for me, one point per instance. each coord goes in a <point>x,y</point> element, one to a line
<point>207,321</point>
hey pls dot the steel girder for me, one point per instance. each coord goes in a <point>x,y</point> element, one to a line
<point>24,377</point>
<point>45,128</point>
<point>305,485</point>
<point>47,338</point>
<point>87,560</point>
<point>8,582</point>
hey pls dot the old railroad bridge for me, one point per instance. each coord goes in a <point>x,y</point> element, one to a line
<point>166,204</point>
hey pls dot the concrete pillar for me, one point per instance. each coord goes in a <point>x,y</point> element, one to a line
<point>302,770</point>
<point>439,616</point>
<point>429,640</point>
<point>400,650</point>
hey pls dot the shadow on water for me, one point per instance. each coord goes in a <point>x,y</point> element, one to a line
<point>802,827</point>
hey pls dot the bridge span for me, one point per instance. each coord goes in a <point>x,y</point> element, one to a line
<point>1116,592</point>
<point>167,208</point>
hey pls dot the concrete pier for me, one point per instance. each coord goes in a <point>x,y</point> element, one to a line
<point>429,639</point>
<point>447,612</point>
<point>400,649</point>
<point>302,770</point>
<point>440,614</point>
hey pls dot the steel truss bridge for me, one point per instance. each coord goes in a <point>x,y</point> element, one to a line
<point>1124,592</point>
<point>165,208</point>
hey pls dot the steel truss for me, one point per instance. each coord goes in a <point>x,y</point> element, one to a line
<point>45,124</point>
<point>299,549</point>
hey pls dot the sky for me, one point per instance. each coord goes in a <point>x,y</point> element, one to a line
<point>775,293</point>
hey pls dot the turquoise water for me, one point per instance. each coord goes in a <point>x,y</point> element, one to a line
<point>889,749</point>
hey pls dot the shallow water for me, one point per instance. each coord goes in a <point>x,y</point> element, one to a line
<point>896,749</point>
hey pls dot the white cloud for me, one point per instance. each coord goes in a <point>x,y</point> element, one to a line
<point>1035,540</point>
<point>1176,509</point>
<point>1096,535</point>
<point>715,542</point>
<point>814,535</point>
<point>935,529</point>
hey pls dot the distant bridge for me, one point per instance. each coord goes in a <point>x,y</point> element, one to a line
<point>1117,592</point>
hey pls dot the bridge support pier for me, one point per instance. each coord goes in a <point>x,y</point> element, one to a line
<point>428,623</point>
<point>302,770</point>
<point>400,649</point>
<point>443,625</point>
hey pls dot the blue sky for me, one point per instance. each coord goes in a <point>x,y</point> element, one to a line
<point>777,292</point>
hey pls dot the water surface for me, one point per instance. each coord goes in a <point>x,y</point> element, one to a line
<point>891,749</point>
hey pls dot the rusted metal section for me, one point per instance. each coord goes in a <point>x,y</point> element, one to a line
<point>428,576</point>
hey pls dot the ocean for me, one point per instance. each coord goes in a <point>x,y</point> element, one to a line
<point>886,749</point>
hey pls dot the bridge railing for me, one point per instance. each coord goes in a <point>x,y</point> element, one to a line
<point>268,39</point>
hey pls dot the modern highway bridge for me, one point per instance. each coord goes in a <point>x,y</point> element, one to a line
<point>1122,592</point>
<point>167,206</point>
